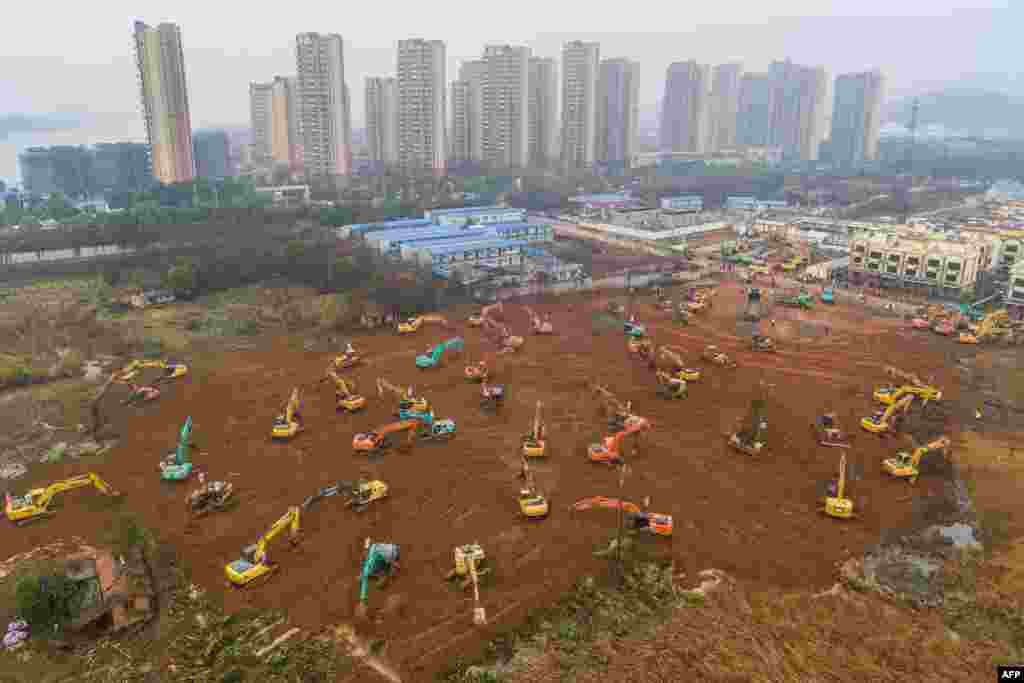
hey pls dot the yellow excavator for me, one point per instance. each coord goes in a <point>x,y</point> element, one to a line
<point>669,386</point>
<point>254,562</point>
<point>36,503</point>
<point>532,503</point>
<point>890,395</point>
<point>406,399</point>
<point>837,504</point>
<point>345,393</point>
<point>906,465</point>
<point>987,329</point>
<point>410,325</point>
<point>535,443</point>
<point>348,359</point>
<point>907,378</point>
<point>289,423</point>
<point>673,356</point>
<point>172,370</point>
<point>884,422</point>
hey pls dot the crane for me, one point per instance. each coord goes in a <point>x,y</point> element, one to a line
<point>534,443</point>
<point>36,502</point>
<point>288,424</point>
<point>906,465</point>
<point>254,562</point>
<point>838,505</point>
<point>884,422</point>
<point>345,393</point>
<point>608,452</point>
<point>637,519</point>
<point>381,560</point>
<point>176,466</point>
<point>406,399</point>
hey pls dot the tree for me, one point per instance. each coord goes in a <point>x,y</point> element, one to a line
<point>46,601</point>
<point>181,278</point>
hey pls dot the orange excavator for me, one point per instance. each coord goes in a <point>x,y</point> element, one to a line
<point>636,518</point>
<point>381,438</point>
<point>609,452</point>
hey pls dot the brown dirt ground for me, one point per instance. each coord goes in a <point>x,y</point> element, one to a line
<point>756,519</point>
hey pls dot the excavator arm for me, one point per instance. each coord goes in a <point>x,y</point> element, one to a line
<point>900,405</point>
<point>604,502</point>
<point>290,520</point>
<point>181,455</point>
<point>397,427</point>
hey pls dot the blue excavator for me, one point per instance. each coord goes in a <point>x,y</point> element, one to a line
<point>177,466</point>
<point>381,561</point>
<point>433,360</point>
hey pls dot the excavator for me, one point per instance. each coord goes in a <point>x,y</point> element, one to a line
<point>432,358</point>
<point>890,395</point>
<point>381,561</point>
<point>361,493</point>
<point>486,312</point>
<point>508,342</point>
<point>609,451</point>
<point>634,329</point>
<point>491,395</point>
<point>906,465</point>
<point>432,429</point>
<point>478,372</point>
<point>379,440</point>
<point>254,562</point>
<point>670,387</point>
<point>673,356</point>
<point>761,343</point>
<point>289,423</point>
<point>619,414</point>
<point>172,370</point>
<point>713,355</point>
<point>838,505</point>
<point>535,443</point>
<point>406,399</point>
<point>210,497</point>
<point>345,393</point>
<point>987,328</point>
<point>471,553</point>
<point>641,348</point>
<point>177,466</point>
<point>636,518</point>
<point>410,325</point>
<point>904,376</point>
<point>540,326</point>
<point>749,441</point>
<point>827,432</point>
<point>348,359</point>
<point>36,503</point>
<point>533,504</point>
<point>141,393</point>
<point>884,422</point>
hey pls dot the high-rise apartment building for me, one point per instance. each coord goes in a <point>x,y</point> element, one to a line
<point>685,109</point>
<point>543,105</point>
<point>580,64</point>
<point>325,125</point>
<point>618,112</point>
<point>798,109</point>
<point>211,151</point>
<point>422,118</point>
<point>458,136</point>
<point>856,117</point>
<point>468,144</point>
<point>261,106</point>
<point>754,118</point>
<point>382,121</point>
<point>161,68</point>
<point>725,104</point>
<point>506,129</point>
<point>284,127</point>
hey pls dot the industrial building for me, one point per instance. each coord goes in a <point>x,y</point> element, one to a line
<point>683,202</point>
<point>475,214</point>
<point>945,266</point>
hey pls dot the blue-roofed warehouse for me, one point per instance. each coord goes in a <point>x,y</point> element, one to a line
<point>363,228</point>
<point>478,214</point>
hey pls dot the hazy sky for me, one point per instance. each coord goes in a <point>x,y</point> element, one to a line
<point>77,56</point>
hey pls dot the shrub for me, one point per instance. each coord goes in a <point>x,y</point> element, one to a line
<point>46,601</point>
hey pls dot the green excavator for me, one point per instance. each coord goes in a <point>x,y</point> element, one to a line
<point>177,466</point>
<point>381,561</point>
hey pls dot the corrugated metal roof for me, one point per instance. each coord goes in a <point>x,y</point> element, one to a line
<point>471,209</point>
<point>388,225</point>
<point>425,233</point>
<point>446,247</point>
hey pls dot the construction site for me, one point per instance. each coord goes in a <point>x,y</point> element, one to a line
<point>771,468</point>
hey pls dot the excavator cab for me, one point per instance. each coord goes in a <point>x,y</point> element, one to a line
<point>410,325</point>
<point>533,504</point>
<point>471,553</point>
<point>649,522</point>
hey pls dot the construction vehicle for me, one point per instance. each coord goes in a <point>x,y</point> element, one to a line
<point>905,377</point>
<point>410,325</point>
<point>406,399</point>
<point>533,504</point>
<point>35,504</point>
<point>431,429</point>
<point>540,326</point>
<point>828,296</point>
<point>802,300</point>
<point>752,311</point>
<point>289,423</point>
<point>890,395</point>
<point>172,370</point>
<point>210,497</point>
<point>634,329</point>
<point>670,387</point>
<point>609,451</point>
<point>987,329</point>
<point>642,348</point>
<point>907,465</point>
<point>477,372</point>
<point>432,359</point>
<point>381,562</point>
<point>713,355</point>
<point>176,466</point>
<point>508,342</point>
<point>345,395</point>
<point>491,395</point>
<point>380,439</point>
<point>761,343</point>
<point>254,562</point>
<point>465,556</point>
<point>884,422</point>
<point>141,393</point>
<point>357,495</point>
<point>827,432</point>
<point>617,412</point>
<point>678,369</point>
<point>348,359</point>
<point>535,443</point>
<point>838,505</point>
<point>637,519</point>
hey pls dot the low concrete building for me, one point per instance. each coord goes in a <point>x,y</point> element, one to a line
<point>1015,292</point>
<point>942,267</point>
